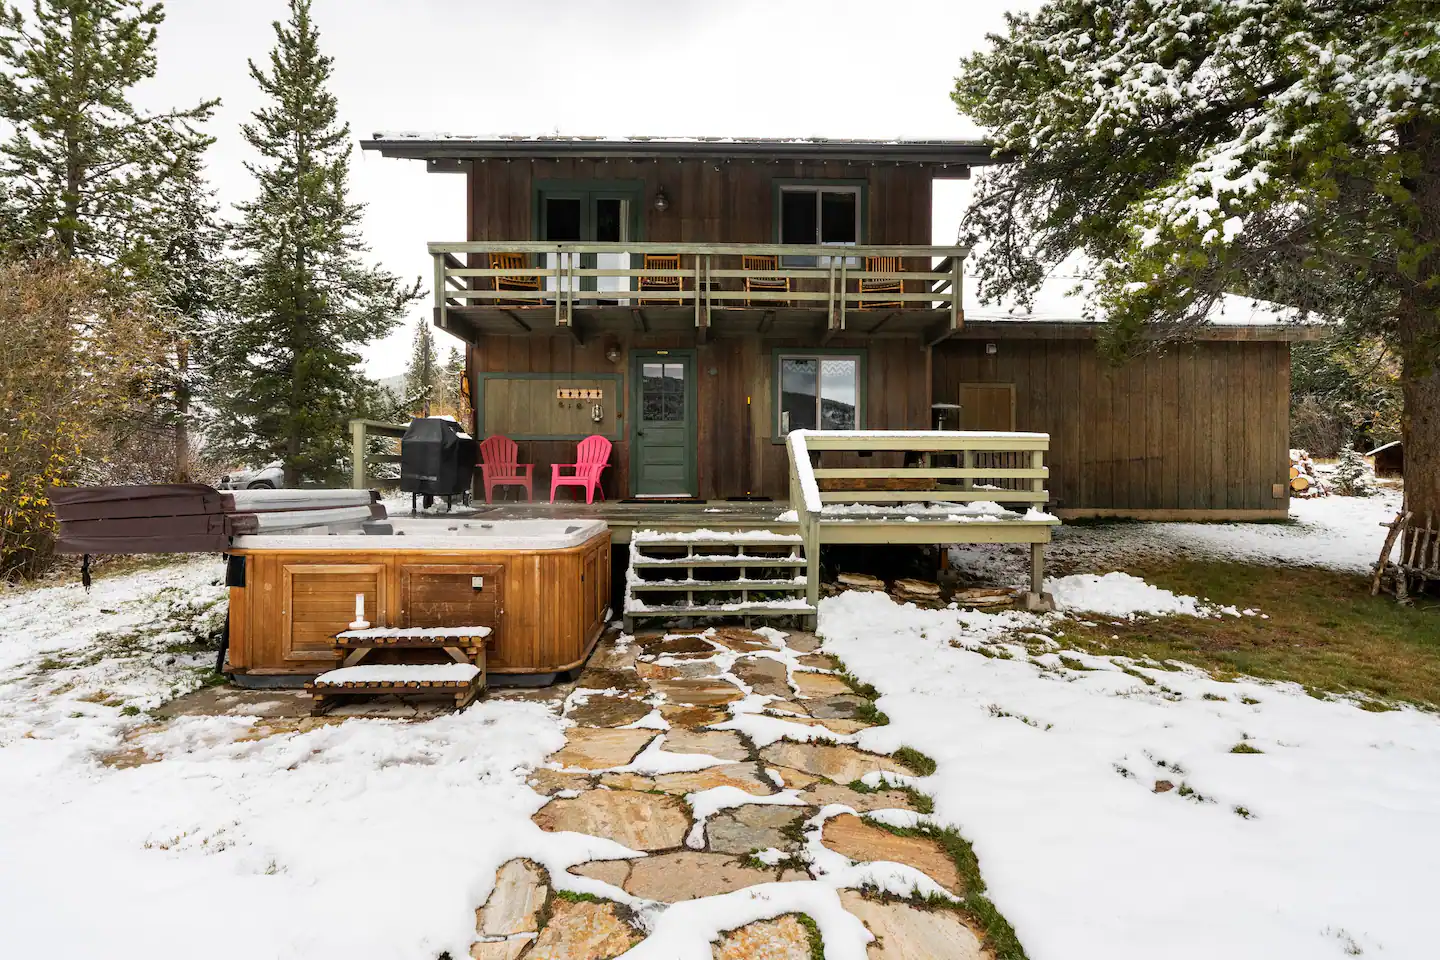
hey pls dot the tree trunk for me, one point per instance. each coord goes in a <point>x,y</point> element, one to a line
<point>182,412</point>
<point>1418,333</point>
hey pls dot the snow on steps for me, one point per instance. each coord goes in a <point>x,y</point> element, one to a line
<point>721,551</point>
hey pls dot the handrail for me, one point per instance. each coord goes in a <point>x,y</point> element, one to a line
<point>556,270</point>
<point>977,453</point>
<point>361,431</point>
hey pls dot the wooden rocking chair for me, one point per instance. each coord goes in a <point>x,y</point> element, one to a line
<point>881,285</point>
<point>765,284</point>
<point>514,261</point>
<point>655,261</point>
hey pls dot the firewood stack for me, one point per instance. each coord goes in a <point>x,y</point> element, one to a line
<point>1304,481</point>
<point>922,593</point>
<point>860,581</point>
<point>983,597</point>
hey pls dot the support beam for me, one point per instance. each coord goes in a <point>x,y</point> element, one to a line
<point>516,317</point>
<point>938,333</point>
<point>766,322</point>
<point>642,322</point>
<point>576,331</point>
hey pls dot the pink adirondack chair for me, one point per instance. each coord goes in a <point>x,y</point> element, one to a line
<point>498,456</point>
<point>592,456</point>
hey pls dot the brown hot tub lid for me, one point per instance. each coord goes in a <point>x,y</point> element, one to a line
<point>143,518</point>
<point>138,500</point>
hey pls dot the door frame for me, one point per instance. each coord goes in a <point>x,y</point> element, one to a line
<point>692,413</point>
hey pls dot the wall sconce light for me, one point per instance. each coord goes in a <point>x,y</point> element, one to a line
<point>662,202</point>
<point>612,351</point>
<point>991,349</point>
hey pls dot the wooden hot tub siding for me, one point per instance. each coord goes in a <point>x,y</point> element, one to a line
<point>547,607</point>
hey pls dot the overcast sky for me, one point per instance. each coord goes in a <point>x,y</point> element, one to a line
<point>658,67</point>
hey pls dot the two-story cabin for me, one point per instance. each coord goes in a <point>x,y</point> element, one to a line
<point>694,300</point>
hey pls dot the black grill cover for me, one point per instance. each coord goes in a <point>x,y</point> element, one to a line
<point>436,458</point>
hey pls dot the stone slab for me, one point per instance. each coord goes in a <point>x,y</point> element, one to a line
<point>612,872</point>
<point>598,748</point>
<point>515,901</point>
<point>743,776</point>
<point>688,670</point>
<point>819,794</point>
<point>802,642</point>
<point>842,706</point>
<point>697,693</point>
<point>688,875</point>
<point>640,821</point>
<point>743,830</point>
<point>833,762</point>
<point>904,932</point>
<point>819,684</point>
<point>794,779</point>
<point>603,710</point>
<point>725,744</point>
<point>693,718</point>
<point>511,948</point>
<point>549,782</point>
<point>860,841</point>
<point>764,676</point>
<point>780,939</point>
<point>583,931</point>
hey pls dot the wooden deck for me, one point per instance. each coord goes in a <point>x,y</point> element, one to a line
<point>626,517</point>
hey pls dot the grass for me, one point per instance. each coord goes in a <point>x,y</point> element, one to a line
<point>812,933</point>
<point>922,802</point>
<point>1324,632</point>
<point>918,762</point>
<point>1243,747</point>
<point>867,712</point>
<point>1000,937</point>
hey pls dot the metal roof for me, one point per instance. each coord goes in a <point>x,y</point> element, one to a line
<point>440,146</point>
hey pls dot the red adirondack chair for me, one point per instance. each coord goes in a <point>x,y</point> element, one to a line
<point>498,456</point>
<point>592,456</point>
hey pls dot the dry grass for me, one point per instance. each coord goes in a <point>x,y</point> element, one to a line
<point>1324,631</point>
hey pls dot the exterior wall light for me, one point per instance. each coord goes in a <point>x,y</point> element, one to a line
<point>662,202</point>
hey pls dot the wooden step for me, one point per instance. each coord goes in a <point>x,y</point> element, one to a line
<point>708,586</point>
<point>748,610</point>
<point>747,560</point>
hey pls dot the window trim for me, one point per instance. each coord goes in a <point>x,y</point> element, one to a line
<point>860,187</point>
<point>860,354</point>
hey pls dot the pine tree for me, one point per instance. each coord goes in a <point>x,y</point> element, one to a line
<point>83,167</point>
<point>182,269</point>
<point>1192,148</point>
<point>305,298</point>
<point>423,374</point>
<point>1353,476</point>
<point>452,373</point>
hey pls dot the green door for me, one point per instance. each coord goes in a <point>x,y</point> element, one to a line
<point>663,423</point>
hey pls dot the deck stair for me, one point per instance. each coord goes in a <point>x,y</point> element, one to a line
<point>462,676</point>
<point>707,574</point>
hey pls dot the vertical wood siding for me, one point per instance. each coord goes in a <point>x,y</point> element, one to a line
<point>1202,426</point>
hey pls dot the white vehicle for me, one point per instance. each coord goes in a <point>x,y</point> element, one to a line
<point>269,477</point>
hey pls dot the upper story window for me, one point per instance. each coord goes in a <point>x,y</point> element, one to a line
<point>818,213</point>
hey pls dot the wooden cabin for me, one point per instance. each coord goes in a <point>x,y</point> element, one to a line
<point>694,300</point>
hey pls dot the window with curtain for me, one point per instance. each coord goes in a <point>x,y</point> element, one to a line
<point>818,392</point>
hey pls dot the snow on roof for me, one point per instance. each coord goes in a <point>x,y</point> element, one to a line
<point>977,138</point>
<point>1384,446</point>
<point>1063,297</point>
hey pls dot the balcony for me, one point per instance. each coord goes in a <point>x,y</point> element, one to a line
<point>811,292</point>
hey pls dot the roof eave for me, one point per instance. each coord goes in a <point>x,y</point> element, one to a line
<point>962,153</point>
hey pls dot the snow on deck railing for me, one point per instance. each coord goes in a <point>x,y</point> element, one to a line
<point>807,498</point>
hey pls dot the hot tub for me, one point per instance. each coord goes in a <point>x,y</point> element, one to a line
<point>542,586</point>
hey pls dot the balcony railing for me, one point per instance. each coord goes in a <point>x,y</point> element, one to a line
<point>825,279</point>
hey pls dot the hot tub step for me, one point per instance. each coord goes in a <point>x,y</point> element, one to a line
<point>755,609</point>
<point>462,681</point>
<point>718,560</point>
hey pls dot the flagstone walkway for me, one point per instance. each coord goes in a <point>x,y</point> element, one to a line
<point>722,760</point>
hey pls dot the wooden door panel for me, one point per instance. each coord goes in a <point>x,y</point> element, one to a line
<point>318,601</point>
<point>446,595</point>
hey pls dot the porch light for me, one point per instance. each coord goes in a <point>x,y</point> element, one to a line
<point>662,202</point>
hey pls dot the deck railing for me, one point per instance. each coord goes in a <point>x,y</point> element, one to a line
<point>954,468</point>
<point>710,276</point>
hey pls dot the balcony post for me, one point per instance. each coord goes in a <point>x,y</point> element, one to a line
<point>441,320</point>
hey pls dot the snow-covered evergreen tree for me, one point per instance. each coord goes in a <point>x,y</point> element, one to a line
<point>181,267</point>
<point>422,374</point>
<point>305,298</point>
<point>83,167</point>
<point>1353,476</point>
<point>1192,147</point>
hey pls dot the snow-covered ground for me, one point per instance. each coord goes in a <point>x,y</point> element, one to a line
<point>232,847</point>
<point>1314,846</point>
<point>1337,533</point>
